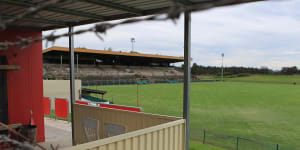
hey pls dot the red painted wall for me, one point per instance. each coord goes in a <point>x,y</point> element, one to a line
<point>25,86</point>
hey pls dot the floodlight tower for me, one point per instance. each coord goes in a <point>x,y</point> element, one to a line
<point>222,69</point>
<point>132,43</point>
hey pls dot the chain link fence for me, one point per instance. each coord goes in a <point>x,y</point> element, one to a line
<point>107,82</point>
<point>232,142</point>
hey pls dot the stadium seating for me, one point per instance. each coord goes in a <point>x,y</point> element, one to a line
<point>108,72</point>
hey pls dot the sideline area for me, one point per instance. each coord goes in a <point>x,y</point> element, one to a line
<point>57,132</point>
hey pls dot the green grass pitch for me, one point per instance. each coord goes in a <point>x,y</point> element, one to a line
<point>261,108</point>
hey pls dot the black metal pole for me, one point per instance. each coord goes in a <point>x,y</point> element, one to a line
<point>187,75</point>
<point>77,64</point>
<point>204,136</point>
<point>237,143</point>
<point>277,147</point>
<point>72,78</point>
<point>61,61</point>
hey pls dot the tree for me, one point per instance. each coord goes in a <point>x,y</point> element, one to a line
<point>289,70</point>
<point>214,70</point>
<point>194,69</point>
<point>134,52</point>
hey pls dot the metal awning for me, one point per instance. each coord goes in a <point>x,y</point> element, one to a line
<point>80,12</point>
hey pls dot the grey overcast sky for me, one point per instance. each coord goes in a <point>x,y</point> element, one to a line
<point>251,35</point>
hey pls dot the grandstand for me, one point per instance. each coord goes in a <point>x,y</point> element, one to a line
<point>109,65</point>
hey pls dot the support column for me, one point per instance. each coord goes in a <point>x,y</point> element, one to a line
<point>61,61</point>
<point>72,77</point>
<point>187,74</point>
<point>77,64</point>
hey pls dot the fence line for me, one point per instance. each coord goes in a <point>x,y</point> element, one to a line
<point>131,82</point>
<point>234,142</point>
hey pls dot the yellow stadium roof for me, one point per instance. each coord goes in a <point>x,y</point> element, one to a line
<point>105,52</point>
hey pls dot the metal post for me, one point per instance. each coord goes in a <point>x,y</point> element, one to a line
<point>96,85</point>
<point>204,136</point>
<point>187,74</point>
<point>77,64</point>
<point>277,147</point>
<point>132,41</point>
<point>61,59</point>
<point>72,78</point>
<point>237,143</point>
<point>137,95</point>
<point>222,72</point>
<point>132,46</point>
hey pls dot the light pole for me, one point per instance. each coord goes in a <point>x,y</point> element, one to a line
<point>132,42</point>
<point>137,95</point>
<point>222,67</point>
<point>77,64</point>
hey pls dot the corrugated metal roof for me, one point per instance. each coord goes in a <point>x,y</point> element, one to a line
<point>93,51</point>
<point>78,12</point>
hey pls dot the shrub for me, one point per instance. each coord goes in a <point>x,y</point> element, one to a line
<point>243,75</point>
<point>225,74</point>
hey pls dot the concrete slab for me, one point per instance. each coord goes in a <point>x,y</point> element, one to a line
<point>57,132</point>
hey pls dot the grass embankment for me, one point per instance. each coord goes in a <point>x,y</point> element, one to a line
<point>276,79</point>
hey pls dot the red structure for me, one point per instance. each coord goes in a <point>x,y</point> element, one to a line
<point>25,86</point>
<point>61,108</point>
<point>81,102</point>
<point>119,107</point>
<point>47,106</point>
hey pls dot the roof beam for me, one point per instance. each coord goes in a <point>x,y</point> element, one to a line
<point>19,27</point>
<point>113,5</point>
<point>55,9</point>
<point>184,2</point>
<point>37,20</point>
<point>115,17</point>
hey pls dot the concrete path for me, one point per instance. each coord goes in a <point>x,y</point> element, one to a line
<point>57,132</point>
